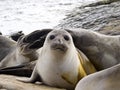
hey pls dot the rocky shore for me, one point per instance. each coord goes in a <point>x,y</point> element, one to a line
<point>101,16</point>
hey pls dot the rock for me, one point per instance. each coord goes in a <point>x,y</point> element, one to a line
<point>101,2</point>
<point>104,17</point>
<point>8,82</point>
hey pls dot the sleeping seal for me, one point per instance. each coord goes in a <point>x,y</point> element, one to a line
<point>59,63</point>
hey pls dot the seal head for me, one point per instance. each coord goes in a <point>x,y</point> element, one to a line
<point>58,41</point>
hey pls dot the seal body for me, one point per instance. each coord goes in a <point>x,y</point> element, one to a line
<point>6,46</point>
<point>108,79</point>
<point>58,63</point>
<point>102,50</point>
<point>17,53</point>
<point>61,68</point>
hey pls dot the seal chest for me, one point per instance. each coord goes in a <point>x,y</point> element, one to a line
<point>59,61</point>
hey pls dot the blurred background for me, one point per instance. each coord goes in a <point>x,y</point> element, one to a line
<point>30,15</point>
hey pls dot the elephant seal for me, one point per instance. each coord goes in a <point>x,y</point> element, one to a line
<point>17,53</point>
<point>102,50</point>
<point>59,63</point>
<point>108,79</point>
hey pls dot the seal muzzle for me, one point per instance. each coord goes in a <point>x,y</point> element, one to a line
<point>57,46</point>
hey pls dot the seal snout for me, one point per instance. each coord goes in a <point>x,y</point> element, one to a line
<point>58,46</point>
<point>59,40</point>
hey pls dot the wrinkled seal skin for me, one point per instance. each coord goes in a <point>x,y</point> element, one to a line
<point>102,50</point>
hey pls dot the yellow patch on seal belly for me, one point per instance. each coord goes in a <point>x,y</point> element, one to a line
<point>86,67</point>
<point>67,77</point>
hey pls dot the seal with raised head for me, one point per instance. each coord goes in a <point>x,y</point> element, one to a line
<point>59,63</point>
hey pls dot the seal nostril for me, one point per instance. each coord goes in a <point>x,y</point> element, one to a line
<point>52,37</point>
<point>66,38</point>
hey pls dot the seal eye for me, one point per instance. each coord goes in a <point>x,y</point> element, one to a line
<point>66,37</point>
<point>52,37</point>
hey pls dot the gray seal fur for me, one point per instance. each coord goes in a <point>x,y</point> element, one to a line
<point>15,53</point>
<point>108,79</point>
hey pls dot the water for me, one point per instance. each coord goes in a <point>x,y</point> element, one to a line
<point>30,15</point>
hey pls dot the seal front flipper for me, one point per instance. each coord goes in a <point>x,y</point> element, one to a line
<point>34,77</point>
